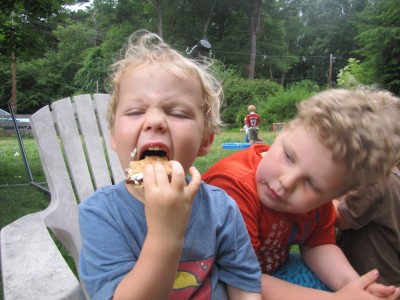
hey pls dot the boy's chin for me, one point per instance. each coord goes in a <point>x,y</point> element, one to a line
<point>285,207</point>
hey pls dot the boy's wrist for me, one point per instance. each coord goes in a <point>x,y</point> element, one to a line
<point>163,239</point>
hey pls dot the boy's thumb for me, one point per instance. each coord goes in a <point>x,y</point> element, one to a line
<point>368,278</point>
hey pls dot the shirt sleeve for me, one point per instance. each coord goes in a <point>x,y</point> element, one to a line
<point>238,263</point>
<point>103,261</point>
<point>360,208</point>
<point>324,231</point>
<point>245,196</point>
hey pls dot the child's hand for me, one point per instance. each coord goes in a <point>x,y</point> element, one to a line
<point>359,289</point>
<point>168,204</point>
<point>383,291</point>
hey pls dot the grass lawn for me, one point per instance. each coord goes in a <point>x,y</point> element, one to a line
<point>18,197</point>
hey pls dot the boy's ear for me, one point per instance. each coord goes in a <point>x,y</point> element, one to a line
<point>205,146</point>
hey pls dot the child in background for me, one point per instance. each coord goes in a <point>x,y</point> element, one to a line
<point>252,121</point>
<point>339,140</point>
<point>176,238</point>
<point>369,220</point>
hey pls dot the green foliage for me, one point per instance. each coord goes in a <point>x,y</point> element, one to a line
<point>239,93</point>
<point>379,27</point>
<point>325,28</point>
<point>282,106</point>
<point>225,73</point>
<point>353,75</point>
<point>62,53</point>
<point>276,58</point>
<point>30,74</point>
<point>92,76</point>
<point>26,26</point>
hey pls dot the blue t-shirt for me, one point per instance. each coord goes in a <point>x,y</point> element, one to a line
<point>216,248</point>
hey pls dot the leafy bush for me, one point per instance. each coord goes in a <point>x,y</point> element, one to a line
<point>239,93</point>
<point>354,74</point>
<point>282,106</point>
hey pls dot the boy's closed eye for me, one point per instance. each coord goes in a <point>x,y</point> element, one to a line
<point>309,182</point>
<point>312,184</point>
<point>135,112</point>
<point>180,111</point>
<point>179,114</point>
<point>288,156</point>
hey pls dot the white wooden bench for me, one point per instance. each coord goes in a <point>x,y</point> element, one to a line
<point>73,142</point>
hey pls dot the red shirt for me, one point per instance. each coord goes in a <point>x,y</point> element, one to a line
<point>252,120</point>
<point>271,232</point>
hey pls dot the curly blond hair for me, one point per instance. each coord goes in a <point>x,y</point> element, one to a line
<point>360,127</point>
<point>145,48</point>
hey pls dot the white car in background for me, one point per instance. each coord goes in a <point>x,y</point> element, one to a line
<point>6,121</point>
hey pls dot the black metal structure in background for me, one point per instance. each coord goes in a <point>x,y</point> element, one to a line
<point>22,148</point>
<point>199,51</point>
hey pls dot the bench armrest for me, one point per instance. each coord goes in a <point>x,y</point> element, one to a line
<point>31,264</point>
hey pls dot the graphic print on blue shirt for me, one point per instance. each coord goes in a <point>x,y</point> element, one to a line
<point>192,280</point>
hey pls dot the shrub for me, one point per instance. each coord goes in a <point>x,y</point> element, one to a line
<point>354,75</point>
<point>239,93</point>
<point>282,106</point>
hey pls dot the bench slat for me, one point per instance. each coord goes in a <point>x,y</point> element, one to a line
<point>91,137</point>
<point>68,130</point>
<point>101,101</point>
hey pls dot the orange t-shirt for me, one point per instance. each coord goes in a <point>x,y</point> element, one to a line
<point>271,232</point>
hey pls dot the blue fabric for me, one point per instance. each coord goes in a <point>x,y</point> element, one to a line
<point>296,271</point>
<point>216,248</point>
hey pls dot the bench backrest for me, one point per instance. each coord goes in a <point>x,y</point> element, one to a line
<point>72,138</point>
<point>73,143</point>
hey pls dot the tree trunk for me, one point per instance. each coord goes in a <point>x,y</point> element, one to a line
<point>205,28</point>
<point>158,5</point>
<point>254,14</point>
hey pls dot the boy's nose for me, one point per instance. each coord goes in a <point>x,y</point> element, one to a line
<point>155,121</point>
<point>288,180</point>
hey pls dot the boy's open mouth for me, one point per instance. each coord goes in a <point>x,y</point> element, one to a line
<point>153,151</point>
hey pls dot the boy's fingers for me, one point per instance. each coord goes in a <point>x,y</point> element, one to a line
<point>155,174</point>
<point>178,174</point>
<point>381,290</point>
<point>149,175</point>
<point>195,182</point>
<point>368,278</point>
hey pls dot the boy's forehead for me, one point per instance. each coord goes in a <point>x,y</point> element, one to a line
<point>144,82</point>
<point>174,70</point>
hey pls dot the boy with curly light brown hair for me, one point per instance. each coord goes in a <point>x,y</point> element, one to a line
<point>339,140</point>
